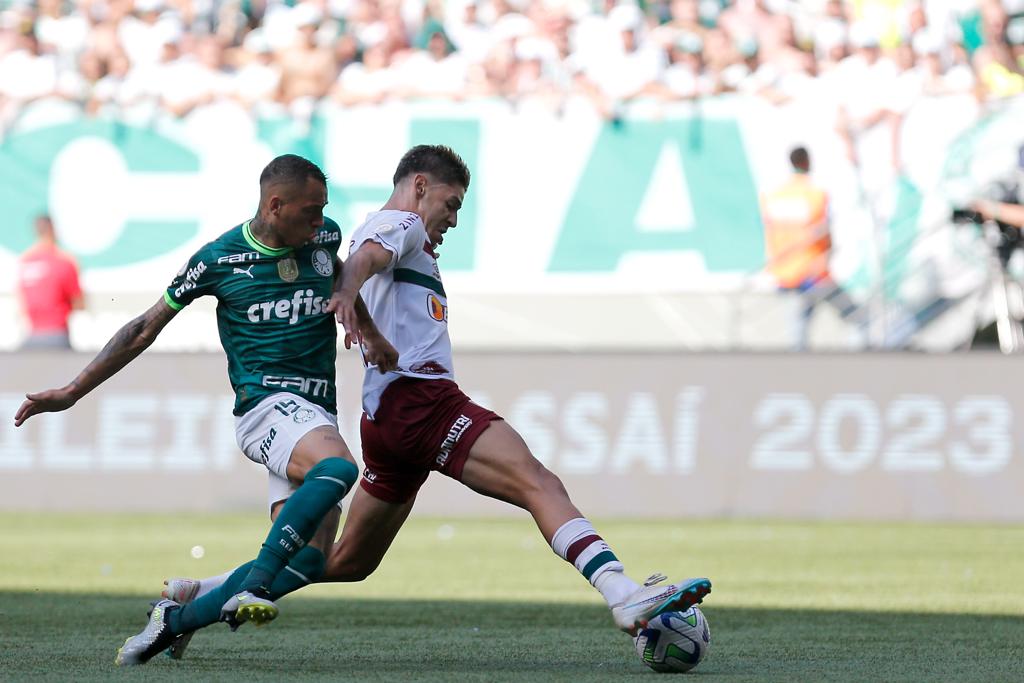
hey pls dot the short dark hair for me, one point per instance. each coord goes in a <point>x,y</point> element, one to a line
<point>290,168</point>
<point>439,161</point>
<point>800,158</point>
<point>44,224</point>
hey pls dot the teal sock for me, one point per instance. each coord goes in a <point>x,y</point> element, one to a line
<point>206,610</point>
<point>305,568</point>
<point>325,484</point>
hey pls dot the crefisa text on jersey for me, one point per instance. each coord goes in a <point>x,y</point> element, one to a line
<point>327,237</point>
<point>191,276</point>
<point>302,303</point>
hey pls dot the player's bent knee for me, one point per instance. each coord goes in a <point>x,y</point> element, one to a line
<point>339,470</point>
<point>342,566</point>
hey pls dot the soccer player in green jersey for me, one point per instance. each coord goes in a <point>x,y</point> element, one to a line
<point>274,278</point>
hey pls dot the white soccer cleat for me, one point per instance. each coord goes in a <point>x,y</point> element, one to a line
<point>650,600</point>
<point>181,591</point>
<point>244,607</point>
<point>153,639</point>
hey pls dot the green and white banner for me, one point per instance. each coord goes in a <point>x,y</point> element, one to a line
<point>550,197</point>
<point>558,204</point>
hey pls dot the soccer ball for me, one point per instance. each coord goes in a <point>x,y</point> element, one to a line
<point>674,642</point>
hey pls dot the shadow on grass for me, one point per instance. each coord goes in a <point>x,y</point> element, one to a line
<point>50,636</point>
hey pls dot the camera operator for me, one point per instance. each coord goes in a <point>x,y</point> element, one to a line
<point>1002,216</point>
<point>1002,212</point>
<point>1006,205</point>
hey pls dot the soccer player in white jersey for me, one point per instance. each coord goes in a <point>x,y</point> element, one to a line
<point>416,419</point>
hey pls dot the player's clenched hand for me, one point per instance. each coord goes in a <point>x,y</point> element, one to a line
<point>51,401</point>
<point>343,305</point>
<point>378,351</point>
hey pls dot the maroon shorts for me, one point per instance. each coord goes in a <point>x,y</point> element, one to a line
<point>421,425</point>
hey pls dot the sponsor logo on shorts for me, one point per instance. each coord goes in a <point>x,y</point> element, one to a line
<point>303,415</point>
<point>435,309</point>
<point>323,263</point>
<point>458,428</point>
<point>265,445</point>
<point>369,475</point>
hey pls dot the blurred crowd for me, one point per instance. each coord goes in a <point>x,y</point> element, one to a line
<point>872,58</point>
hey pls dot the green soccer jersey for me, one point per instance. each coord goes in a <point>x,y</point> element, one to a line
<point>271,312</point>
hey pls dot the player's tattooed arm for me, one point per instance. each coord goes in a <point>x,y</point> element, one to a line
<point>126,344</point>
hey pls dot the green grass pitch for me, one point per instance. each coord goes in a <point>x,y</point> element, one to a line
<point>487,600</point>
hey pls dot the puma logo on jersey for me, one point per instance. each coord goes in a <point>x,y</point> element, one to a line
<point>244,271</point>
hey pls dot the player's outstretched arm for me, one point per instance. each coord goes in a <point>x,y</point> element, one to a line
<point>368,260</point>
<point>127,343</point>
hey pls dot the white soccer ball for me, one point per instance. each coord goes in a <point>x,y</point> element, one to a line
<point>674,642</point>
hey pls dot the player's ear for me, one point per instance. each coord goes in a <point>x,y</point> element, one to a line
<point>275,205</point>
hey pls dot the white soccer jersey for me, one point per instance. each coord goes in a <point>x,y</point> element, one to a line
<point>407,302</point>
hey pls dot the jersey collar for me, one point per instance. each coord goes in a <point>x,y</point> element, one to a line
<point>259,246</point>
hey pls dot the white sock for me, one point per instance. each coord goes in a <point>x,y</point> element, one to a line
<point>577,542</point>
<point>615,586</point>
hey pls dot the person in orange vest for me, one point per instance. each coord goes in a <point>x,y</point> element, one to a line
<point>49,289</point>
<point>798,241</point>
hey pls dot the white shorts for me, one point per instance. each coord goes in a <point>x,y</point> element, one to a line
<point>267,434</point>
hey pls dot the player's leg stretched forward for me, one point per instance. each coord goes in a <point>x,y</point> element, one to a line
<point>304,526</point>
<point>497,462</point>
<point>500,465</point>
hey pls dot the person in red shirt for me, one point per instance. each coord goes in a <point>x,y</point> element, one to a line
<point>49,289</point>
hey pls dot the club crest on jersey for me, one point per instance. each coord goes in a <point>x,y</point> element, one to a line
<point>323,263</point>
<point>288,269</point>
<point>435,309</point>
